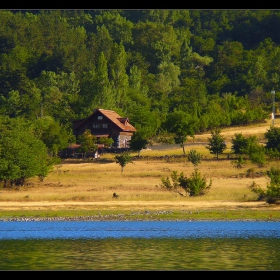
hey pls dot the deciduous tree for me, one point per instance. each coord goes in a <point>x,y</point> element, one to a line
<point>123,159</point>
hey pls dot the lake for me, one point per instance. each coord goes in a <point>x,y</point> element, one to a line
<point>140,245</point>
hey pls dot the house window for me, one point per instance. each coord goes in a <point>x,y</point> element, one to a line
<point>105,125</point>
<point>100,117</point>
<point>95,125</point>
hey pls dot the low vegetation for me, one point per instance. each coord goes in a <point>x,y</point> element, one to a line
<point>272,193</point>
<point>194,185</point>
<point>86,187</point>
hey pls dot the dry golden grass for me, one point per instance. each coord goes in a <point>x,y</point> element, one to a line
<point>89,184</point>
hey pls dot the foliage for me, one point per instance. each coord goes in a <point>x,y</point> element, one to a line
<point>164,137</point>
<point>239,144</point>
<point>194,157</point>
<point>47,167</point>
<point>88,142</point>
<point>257,155</point>
<point>272,193</point>
<point>22,154</point>
<point>217,143</point>
<point>181,125</point>
<point>54,135</point>
<point>147,64</point>
<point>146,121</point>
<point>123,159</point>
<point>106,141</point>
<point>249,146</point>
<point>273,153</point>
<point>272,137</point>
<point>195,185</point>
<point>138,142</point>
<point>239,162</point>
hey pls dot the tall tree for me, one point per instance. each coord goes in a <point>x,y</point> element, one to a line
<point>138,142</point>
<point>119,77</point>
<point>181,125</point>
<point>104,97</point>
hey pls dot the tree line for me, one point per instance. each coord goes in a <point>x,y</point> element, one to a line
<point>216,67</point>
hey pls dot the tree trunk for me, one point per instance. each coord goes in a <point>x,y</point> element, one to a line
<point>183,149</point>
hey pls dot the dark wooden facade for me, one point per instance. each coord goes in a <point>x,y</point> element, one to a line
<point>106,123</point>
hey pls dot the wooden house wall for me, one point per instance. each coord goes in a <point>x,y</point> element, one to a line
<point>121,138</point>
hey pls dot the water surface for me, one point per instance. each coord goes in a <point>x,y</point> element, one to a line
<point>135,245</point>
<point>137,229</point>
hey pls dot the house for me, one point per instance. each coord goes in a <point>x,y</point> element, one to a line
<point>106,123</point>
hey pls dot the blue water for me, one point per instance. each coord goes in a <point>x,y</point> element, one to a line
<point>138,229</point>
<point>140,245</point>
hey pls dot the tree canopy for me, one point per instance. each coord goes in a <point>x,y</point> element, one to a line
<point>200,68</point>
<point>22,154</point>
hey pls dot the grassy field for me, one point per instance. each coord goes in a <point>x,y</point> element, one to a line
<point>85,188</point>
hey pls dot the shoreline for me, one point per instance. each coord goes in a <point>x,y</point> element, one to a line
<point>124,219</point>
<point>118,210</point>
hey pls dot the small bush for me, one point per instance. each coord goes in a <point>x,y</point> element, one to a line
<point>239,162</point>
<point>194,157</point>
<point>272,193</point>
<point>195,185</point>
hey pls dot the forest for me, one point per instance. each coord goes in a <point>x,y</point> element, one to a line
<point>204,69</point>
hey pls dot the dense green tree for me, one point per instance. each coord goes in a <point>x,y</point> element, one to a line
<point>190,97</point>
<point>120,29</point>
<point>55,136</point>
<point>181,125</point>
<point>87,94</point>
<point>156,41</point>
<point>218,117</point>
<point>257,154</point>
<point>272,137</point>
<point>87,142</point>
<point>138,142</point>
<point>23,155</point>
<point>168,77</point>
<point>147,122</point>
<point>118,75</point>
<point>241,145</point>
<point>104,97</point>
<point>135,78</point>
<point>216,143</point>
<point>102,42</point>
<point>59,93</point>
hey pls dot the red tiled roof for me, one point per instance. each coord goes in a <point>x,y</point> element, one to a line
<point>118,120</point>
<point>122,123</point>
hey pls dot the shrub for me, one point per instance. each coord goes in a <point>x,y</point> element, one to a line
<point>195,185</point>
<point>194,157</point>
<point>123,159</point>
<point>239,162</point>
<point>272,193</point>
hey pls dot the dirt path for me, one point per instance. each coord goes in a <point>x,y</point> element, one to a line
<point>136,205</point>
